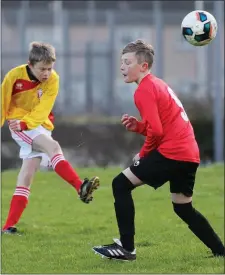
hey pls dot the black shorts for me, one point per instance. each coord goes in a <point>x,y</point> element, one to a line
<point>155,170</point>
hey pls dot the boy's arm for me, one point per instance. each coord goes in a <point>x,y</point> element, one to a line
<point>6,94</point>
<point>41,112</point>
<point>146,102</point>
<point>141,128</point>
<point>149,145</point>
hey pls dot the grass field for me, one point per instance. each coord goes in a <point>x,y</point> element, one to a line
<point>59,230</point>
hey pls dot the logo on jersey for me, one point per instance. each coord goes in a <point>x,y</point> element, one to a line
<point>19,86</point>
<point>39,93</point>
<point>137,163</point>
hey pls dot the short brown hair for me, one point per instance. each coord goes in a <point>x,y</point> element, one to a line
<point>40,51</point>
<point>143,51</point>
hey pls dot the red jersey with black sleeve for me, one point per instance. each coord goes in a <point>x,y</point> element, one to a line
<point>164,121</point>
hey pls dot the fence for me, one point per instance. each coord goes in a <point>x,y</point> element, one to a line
<point>88,44</point>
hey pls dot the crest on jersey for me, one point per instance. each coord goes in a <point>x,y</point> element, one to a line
<point>19,86</point>
<point>39,93</point>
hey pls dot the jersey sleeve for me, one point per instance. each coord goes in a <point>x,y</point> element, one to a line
<point>6,95</point>
<point>41,112</point>
<point>141,128</point>
<point>146,102</point>
<point>151,143</point>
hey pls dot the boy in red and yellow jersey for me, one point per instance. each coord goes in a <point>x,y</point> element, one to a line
<point>28,96</point>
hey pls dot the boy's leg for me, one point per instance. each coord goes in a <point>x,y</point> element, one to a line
<point>124,209</point>
<point>151,169</point>
<point>122,249</point>
<point>181,188</point>
<point>200,226</point>
<point>63,168</point>
<point>20,197</point>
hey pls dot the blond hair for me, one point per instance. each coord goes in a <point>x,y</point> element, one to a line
<point>143,51</point>
<point>40,51</point>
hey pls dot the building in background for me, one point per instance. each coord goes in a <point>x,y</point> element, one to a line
<point>89,36</point>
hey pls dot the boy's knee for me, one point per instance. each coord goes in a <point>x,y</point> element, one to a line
<point>25,177</point>
<point>52,148</point>
<point>55,146</point>
<point>184,211</point>
<point>47,145</point>
<point>121,184</point>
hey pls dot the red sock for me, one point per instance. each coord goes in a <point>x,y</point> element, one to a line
<point>18,204</point>
<point>63,168</point>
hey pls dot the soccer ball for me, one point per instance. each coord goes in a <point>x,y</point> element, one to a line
<point>199,27</point>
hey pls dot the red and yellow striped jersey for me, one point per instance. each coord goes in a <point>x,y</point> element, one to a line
<point>27,100</point>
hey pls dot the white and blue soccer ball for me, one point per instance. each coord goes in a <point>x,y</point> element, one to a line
<point>199,27</point>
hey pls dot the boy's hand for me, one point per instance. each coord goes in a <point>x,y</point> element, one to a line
<point>130,122</point>
<point>17,125</point>
<point>136,158</point>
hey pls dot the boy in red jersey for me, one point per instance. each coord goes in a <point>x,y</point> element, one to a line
<point>28,96</point>
<point>170,153</point>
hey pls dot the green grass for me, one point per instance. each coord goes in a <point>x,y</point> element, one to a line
<point>59,230</point>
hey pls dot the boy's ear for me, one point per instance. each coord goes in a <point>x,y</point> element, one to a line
<point>145,66</point>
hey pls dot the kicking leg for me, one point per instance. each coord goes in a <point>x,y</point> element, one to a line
<point>63,168</point>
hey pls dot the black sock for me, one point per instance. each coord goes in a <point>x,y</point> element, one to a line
<point>127,242</point>
<point>200,226</point>
<point>124,208</point>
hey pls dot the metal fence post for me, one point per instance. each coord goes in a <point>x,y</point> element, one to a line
<point>67,62</point>
<point>112,60</point>
<point>159,25</point>
<point>218,75</point>
<point>200,60</point>
<point>58,43</point>
<point>88,78</point>
<point>22,22</point>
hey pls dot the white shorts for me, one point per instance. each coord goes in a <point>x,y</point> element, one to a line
<point>25,138</point>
